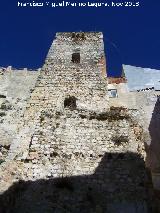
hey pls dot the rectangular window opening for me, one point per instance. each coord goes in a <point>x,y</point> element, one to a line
<point>112,93</point>
<point>76,58</point>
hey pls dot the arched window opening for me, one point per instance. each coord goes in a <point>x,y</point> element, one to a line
<point>70,103</point>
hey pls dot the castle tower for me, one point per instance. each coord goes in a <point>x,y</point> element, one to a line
<point>89,157</point>
<point>73,76</point>
<point>75,67</point>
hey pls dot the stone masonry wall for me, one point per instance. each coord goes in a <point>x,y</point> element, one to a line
<point>15,89</point>
<point>146,101</point>
<point>60,78</point>
<point>74,153</point>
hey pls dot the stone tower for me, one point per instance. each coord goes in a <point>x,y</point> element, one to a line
<point>78,154</point>
<point>75,66</point>
<point>73,77</point>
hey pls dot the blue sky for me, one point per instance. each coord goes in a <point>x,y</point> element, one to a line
<point>131,35</point>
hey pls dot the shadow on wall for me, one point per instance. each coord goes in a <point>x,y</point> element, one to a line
<point>118,185</point>
<point>153,150</point>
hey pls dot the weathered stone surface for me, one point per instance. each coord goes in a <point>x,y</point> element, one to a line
<point>140,90</point>
<point>73,152</point>
<point>15,90</point>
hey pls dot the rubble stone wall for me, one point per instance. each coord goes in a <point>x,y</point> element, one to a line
<point>15,90</point>
<point>148,104</point>
<point>71,146</point>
